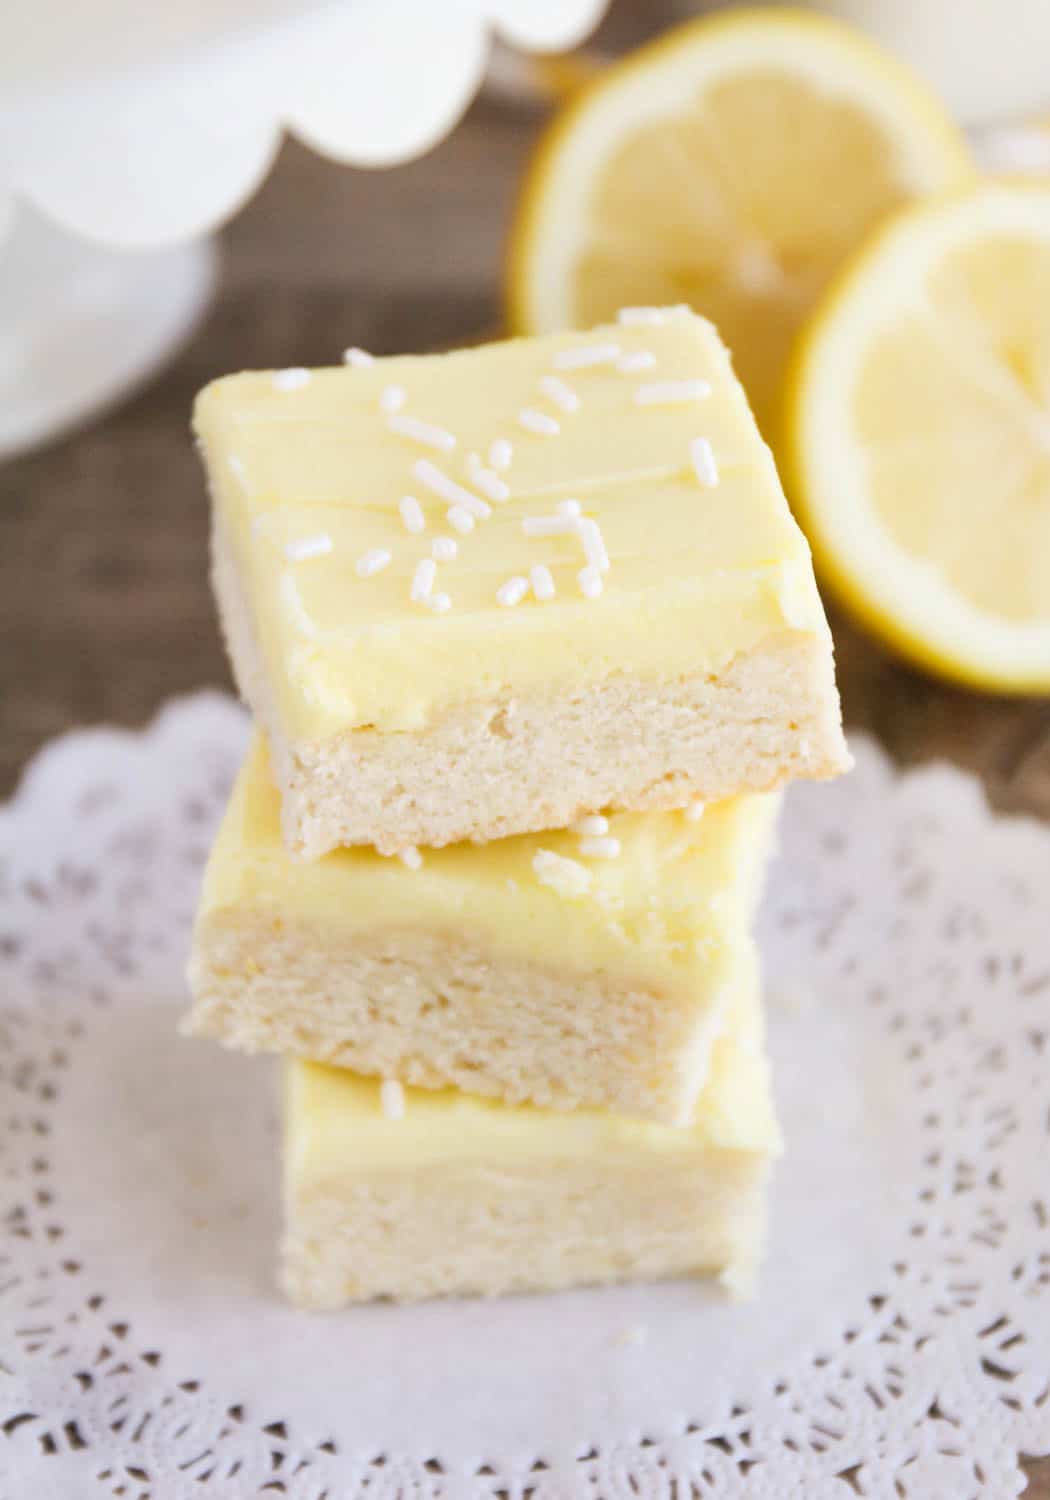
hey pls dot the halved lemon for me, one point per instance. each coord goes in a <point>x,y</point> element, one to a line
<point>733,165</point>
<point>917,436</point>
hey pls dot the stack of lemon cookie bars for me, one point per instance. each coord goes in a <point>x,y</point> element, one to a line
<point>531,640</point>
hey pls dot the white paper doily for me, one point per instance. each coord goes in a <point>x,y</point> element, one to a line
<point>900,1343</point>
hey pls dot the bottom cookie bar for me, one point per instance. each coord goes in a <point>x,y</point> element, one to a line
<point>413,1193</point>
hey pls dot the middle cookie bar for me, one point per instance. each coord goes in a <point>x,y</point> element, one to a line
<point>585,967</point>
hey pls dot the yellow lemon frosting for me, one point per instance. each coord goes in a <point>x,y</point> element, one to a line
<point>672,902</point>
<point>335,1120</point>
<point>609,503</point>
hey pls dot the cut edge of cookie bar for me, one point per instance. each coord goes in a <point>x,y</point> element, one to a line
<point>523,764</point>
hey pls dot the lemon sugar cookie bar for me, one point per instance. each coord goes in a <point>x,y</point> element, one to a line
<point>412,1193</point>
<point>581,967</point>
<point>489,592</point>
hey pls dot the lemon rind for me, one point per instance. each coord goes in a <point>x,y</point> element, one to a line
<point>839,59</point>
<point>906,603</point>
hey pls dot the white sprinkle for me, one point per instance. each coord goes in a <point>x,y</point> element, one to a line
<point>423,580</point>
<point>422,432</point>
<point>290,380</point>
<point>358,358</point>
<point>594,545</point>
<point>600,848</point>
<point>500,454</point>
<point>392,1099</point>
<point>411,513</point>
<point>538,421</point>
<point>488,483</point>
<point>640,359</point>
<point>590,581</point>
<point>663,392</point>
<point>695,811</point>
<point>704,462</point>
<point>461,519</point>
<point>565,876</point>
<point>440,603</point>
<point>571,508</point>
<point>592,827</point>
<point>651,315</point>
<point>587,354</point>
<point>393,398</point>
<point>549,525</point>
<point>558,392</point>
<point>372,562</point>
<point>438,481</point>
<point>492,485</point>
<point>512,592</point>
<point>444,548</point>
<point>293,603</point>
<point>542,581</point>
<point>308,546</point>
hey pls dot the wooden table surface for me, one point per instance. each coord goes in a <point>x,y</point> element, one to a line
<point>103,577</point>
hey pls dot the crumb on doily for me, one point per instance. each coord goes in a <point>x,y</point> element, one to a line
<point>739,1281</point>
<point>633,1334</point>
<point>793,996</point>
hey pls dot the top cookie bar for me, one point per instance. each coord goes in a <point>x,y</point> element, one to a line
<point>484,593</point>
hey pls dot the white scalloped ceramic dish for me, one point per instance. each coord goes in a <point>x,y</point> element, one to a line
<point>140,126</point>
<point>174,113</point>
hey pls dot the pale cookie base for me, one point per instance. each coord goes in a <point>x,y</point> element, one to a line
<point>489,1228</point>
<point>415,1006</point>
<point>520,765</point>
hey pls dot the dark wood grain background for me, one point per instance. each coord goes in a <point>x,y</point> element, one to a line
<point>103,582</point>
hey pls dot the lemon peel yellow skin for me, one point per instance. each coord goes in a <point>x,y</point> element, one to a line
<point>929,357</point>
<point>671,178</point>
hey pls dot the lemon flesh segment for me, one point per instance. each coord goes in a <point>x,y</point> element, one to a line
<point>733,166</point>
<point>920,436</point>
